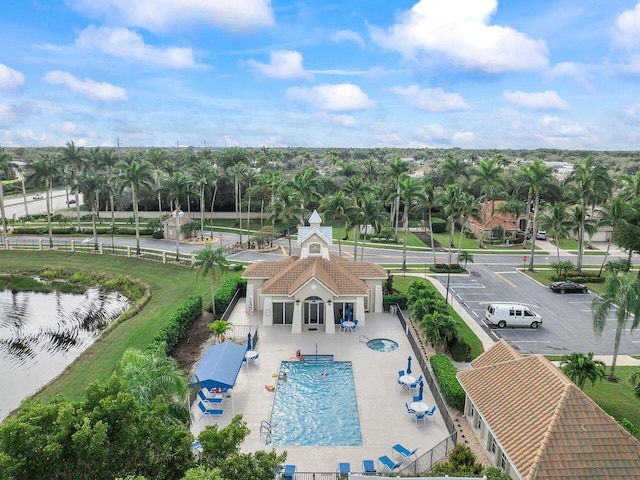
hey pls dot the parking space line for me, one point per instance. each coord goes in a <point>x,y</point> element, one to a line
<point>530,341</point>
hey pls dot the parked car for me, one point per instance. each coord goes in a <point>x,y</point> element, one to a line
<point>38,196</point>
<point>568,287</point>
<point>71,201</point>
<point>511,315</point>
<point>521,233</point>
<point>541,235</point>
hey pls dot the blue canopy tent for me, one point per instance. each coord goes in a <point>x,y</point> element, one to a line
<point>219,366</point>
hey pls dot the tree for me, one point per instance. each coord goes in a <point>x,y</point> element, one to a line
<point>410,191</point>
<point>616,211</point>
<point>556,219</point>
<point>397,169</point>
<point>177,185</point>
<point>91,183</point>
<point>430,202</point>
<point>151,373</point>
<point>514,207</point>
<point>487,174</point>
<point>372,214</point>
<point>213,263</point>
<point>285,208</point>
<point>6,171</point>
<point>465,257</point>
<point>580,368</point>
<point>439,329</point>
<point>74,158</point>
<point>220,328</point>
<point>43,171</point>
<point>158,158</point>
<point>337,206</point>
<point>135,174</point>
<point>634,379</point>
<point>106,436</point>
<point>621,293</point>
<point>203,173</point>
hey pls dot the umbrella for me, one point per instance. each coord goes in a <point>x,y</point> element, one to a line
<point>409,366</point>
<point>421,390</point>
<point>249,341</point>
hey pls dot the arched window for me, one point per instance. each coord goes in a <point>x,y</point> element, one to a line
<point>315,249</point>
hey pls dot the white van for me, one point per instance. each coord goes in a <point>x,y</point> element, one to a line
<point>511,315</point>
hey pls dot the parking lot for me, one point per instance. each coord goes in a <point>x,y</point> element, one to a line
<point>567,321</point>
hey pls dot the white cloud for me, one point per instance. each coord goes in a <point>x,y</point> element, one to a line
<point>460,138</point>
<point>556,127</point>
<point>336,98</point>
<point>163,15</point>
<point>627,28</point>
<point>12,113</point>
<point>87,88</point>
<point>548,100</point>
<point>431,99</point>
<point>460,31</point>
<point>67,128</point>
<point>10,79</point>
<point>284,64</point>
<point>347,36</point>
<point>123,43</point>
<point>342,120</point>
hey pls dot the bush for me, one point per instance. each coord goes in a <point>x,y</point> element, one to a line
<point>388,300</point>
<point>460,351</point>
<point>179,323</point>
<point>494,473</point>
<point>157,234</point>
<point>438,225</point>
<point>445,373</point>
<point>446,268</point>
<point>225,292</point>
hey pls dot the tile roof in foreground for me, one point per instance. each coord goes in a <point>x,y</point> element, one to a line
<point>341,276</point>
<point>546,425</point>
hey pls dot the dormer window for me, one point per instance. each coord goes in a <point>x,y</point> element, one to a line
<point>315,249</point>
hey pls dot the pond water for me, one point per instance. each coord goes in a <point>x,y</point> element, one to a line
<point>42,333</point>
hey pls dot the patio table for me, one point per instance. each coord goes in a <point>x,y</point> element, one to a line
<point>407,380</point>
<point>419,407</point>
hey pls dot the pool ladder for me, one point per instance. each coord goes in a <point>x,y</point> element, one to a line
<point>363,339</point>
<point>265,427</point>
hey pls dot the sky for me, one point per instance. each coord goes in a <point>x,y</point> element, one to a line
<point>501,74</point>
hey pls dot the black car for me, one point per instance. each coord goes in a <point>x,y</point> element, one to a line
<point>568,287</point>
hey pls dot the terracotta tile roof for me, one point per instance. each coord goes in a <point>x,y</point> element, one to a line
<point>504,220</point>
<point>340,276</point>
<point>547,427</point>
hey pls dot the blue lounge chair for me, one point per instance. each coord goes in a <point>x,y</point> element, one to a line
<point>209,400</point>
<point>209,411</point>
<point>344,468</point>
<point>388,463</point>
<point>289,472</point>
<point>403,451</point>
<point>368,466</point>
<point>431,412</point>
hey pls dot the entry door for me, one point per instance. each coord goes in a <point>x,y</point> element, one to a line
<point>314,312</point>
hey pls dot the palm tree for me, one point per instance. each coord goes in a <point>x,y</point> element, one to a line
<point>6,171</point>
<point>397,170</point>
<point>450,200</point>
<point>238,171</point>
<point>621,293</point>
<point>372,214</point>
<point>203,173</point>
<point>410,190</point>
<point>634,379</point>
<point>514,207</point>
<point>158,158</point>
<point>469,207</point>
<point>487,174</point>
<point>336,206</point>
<point>135,174</point>
<point>73,158</point>
<point>91,183</point>
<point>439,329</point>
<point>108,160</point>
<point>454,170</point>
<point>150,374</point>
<point>580,368</point>
<point>356,189</point>
<point>43,171</point>
<point>614,212</point>
<point>430,202</point>
<point>177,185</point>
<point>286,207</point>
<point>465,257</point>
<point>213,263</point>
<point>556,220</point>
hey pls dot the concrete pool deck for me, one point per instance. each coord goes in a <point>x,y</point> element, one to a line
<point>383,419</point>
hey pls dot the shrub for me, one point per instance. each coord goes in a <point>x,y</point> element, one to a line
<point>460,350</point>
<point>438,225</point>
<point>398,298</point>
<point>186,314</point>
<point>494,473</point>
<point>446,268</point>
<point>628,426</point>
<point>445,373</point>
<point>226,290</point>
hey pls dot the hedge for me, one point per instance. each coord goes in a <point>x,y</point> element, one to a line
<point>438,225</point>
<point>226,290</point>
<point>445,373</point>
<point>388,300</point>
<point>179,323</point>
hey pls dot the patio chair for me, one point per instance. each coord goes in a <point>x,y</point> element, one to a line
<point>417,398</point>
<point>403,451</point>
<point>431,412</point>
<point>344,468</point>
<point>209,411</point>
<point>420,418</point>
<point>416,384</point>
<point>342,328</point>
<point>410,411</point>
<point>197,447</point>
<point>289,472</point>
<point>389,464</point>
<point>354,329</point>
<point>368,466</point>
<point>217,400</point>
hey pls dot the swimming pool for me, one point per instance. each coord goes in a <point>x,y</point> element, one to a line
<point>382,345</point>
<point>316,405</point>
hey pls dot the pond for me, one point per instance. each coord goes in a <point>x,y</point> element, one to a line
<point>42,333</point>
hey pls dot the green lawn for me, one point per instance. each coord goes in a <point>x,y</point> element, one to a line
<point>170,285</point>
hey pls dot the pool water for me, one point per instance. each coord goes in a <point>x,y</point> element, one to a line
<point>382,345</point>
<point>316,405</point>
